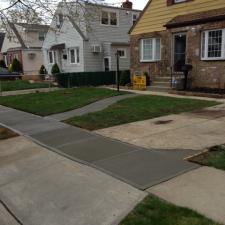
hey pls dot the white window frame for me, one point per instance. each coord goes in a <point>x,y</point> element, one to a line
<point>5,58</point>
<point>153,50</point>
<point>204,46</point>
<point>109,18</point>
<point>125,53</point>
<point>53,58</point>
<point>76,56</point>
<point>134,21</point>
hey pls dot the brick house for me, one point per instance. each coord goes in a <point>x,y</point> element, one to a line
<point>171,33</point>
<point>24,42</point>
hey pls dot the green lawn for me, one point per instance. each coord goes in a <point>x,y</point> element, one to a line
<point>153,211</point>
<point>20,85</point>
<point>56,101</point>
<point>137,109</point>
<point>214,158</point>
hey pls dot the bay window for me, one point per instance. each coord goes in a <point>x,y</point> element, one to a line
<point>150,50</point>
<point>213,45</point>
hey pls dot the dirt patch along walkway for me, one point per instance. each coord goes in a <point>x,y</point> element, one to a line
<point>197,130</point>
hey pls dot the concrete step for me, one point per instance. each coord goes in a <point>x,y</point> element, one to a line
<point>162,79</point>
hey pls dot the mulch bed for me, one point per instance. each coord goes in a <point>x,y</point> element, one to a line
<point>6,133</point>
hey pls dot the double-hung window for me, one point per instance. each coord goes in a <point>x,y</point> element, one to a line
<point>74,55</point>
<point>150,50</point>
<point>109,18</point>
<point>213,45</point>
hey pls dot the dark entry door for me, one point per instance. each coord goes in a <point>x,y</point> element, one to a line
<point>179,51</point>
<point>106,64</point>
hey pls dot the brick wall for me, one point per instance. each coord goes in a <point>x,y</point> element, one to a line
<point>205,73</point>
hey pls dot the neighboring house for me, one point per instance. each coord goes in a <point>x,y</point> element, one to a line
<point>171,33</point>
<point>90,42</point>
<point>24,42</point>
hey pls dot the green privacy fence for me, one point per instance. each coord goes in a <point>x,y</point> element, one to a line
<point>88,78</point>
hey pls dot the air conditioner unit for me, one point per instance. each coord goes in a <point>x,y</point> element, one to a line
<point>96,48</point>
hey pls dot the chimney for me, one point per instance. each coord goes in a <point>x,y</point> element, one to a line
<point>127,5</point>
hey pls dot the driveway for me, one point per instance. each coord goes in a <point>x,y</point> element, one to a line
<point>194,131</point>
<point>40,187</point>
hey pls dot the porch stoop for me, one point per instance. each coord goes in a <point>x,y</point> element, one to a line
<point>160,83</point>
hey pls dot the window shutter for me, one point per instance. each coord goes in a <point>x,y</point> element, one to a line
<point>170,2</point>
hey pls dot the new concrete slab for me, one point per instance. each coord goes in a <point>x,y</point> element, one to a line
<point>144,168</point>
<point>66,135</point>
<point>62,191</point>
<point>96,149</point>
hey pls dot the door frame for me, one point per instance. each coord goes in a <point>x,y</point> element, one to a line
<point>173,48</point>
<point>110,63</point>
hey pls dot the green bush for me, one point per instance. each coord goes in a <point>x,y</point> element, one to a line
<point>125,78</point>
<point>55,69</point>
<point>42,70</point>
<point>2,64</point>
<point>16,66</point>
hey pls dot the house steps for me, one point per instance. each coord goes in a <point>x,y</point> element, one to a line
<point>161,83</point>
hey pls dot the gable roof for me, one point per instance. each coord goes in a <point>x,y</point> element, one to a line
<point>197,18</point>
<point>2,36</point>
<point>35,27</point>
<point>12,26</point>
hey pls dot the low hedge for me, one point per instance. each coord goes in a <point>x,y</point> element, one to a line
<point>86,79</point>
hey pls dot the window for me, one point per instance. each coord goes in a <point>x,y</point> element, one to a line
<point>213,45</point>
<point>41,36</point>
<point>150,50</point>
<point>74,56</point>
<point>59,20</point>
<point>109,18</point>
<point>5,59</point>
<point>122,53</point>
<point>134,18</point>
<point>51,57</point>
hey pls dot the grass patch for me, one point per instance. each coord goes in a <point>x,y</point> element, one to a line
<point>215,157</point>
<point>137,109</point>
<point>6,133</point>
<point>153,211</point>
<point>21,85</point>
<point>56,101</point>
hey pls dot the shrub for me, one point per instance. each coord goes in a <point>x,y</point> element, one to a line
<point>2,64</point>
<point>125,78</point>
<point>55,69</point>
<point>42,70</point>
<point>16,65</point>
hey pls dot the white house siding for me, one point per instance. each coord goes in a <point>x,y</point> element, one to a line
<point>71,38</point>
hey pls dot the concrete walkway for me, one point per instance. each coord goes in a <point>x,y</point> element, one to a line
<point>94,107</point>
<point>202,190</point>
<point>28,91</point>
<point>196,131</point>
<point>39,187</point>
<point>139,167</point>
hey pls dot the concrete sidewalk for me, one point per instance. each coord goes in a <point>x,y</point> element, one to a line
<point>202,190</point>
<point>94,107</point>
<point>40,187</point>
<point>139,167</point>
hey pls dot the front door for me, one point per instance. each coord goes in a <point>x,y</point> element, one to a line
<point>107,64</point>
<point>179,56</point>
